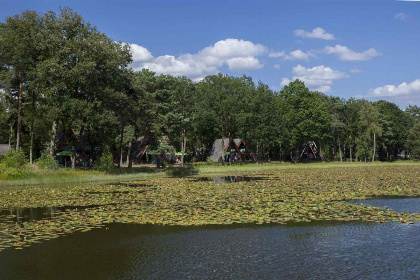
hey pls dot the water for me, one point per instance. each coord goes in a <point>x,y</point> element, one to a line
<point>397,204</point>
<point>320,251</point>
<point>317,250</point>
<point>231,179</point>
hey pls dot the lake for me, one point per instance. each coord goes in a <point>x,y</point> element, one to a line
<point>317,250</point>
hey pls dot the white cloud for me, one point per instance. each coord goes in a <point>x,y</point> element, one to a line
<point>412,88</point>
<point>355,70</point>
<point>298,55</point>
<point>319,78</point>
<point>238,55</point>
<point>318,33</point>
<point>277,66</point>
<point>238,64</point>
<point>401,16</point>
<point>293,55</point>
<point>277,54</point>
<point>347,54</point>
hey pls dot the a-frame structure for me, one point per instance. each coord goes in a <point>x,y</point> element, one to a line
<point>68,139</point>
<point>310,152</point>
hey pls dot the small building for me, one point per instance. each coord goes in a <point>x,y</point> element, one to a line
<point>141,151</point>
<point>4,148</point>
<point>69,144</point>
<point>310,152</point>
<point>234,149</point>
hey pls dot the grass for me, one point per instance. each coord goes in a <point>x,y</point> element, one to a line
<point>66,177</point>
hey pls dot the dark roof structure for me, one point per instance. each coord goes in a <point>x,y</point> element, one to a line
<point>4,148</point>
<point>217,153</point>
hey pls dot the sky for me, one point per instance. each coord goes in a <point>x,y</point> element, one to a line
<point>364,49</point>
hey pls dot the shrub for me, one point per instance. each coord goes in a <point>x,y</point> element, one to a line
<point>164,164</point>
<point>14,173</point>
<point>47,161</point>
<point>105,162</point>
<point>14,159</point>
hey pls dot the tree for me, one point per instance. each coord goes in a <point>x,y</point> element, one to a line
<point>180,113</point>
<point>21,51</point>
<point>369,121</point>
<point>414,141</point>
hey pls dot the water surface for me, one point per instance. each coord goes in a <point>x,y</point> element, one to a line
<point>300,251</point>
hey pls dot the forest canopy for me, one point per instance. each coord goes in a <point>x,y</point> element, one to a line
<point>59,74</point>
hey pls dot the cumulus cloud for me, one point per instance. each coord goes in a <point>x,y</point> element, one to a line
<point>401,16</point>
<point>238,64</point>
<point>347,54</point>
<point>277,66</point>
<point>276,54</point>
<point>299,55</point>
<point>393,90</point>
<point>318,33</point>
<point>238,55</point>
<point>293,55</point>
<point>319,78</point>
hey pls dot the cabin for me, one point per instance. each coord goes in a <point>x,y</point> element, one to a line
<point>234,149</point>
<point>142,153</point>
<point>68,144</point>
<point>4,148</point>
<point>310,152</point>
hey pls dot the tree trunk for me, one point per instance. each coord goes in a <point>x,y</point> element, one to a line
<point>158,161</point>
<point>223,151</point>
<point>73,162</point>
<point>129,155</point>
<point>53,135</point>
<point>32,143</point>
<point>10,136</point>
<point>374,147</point>
<point>351,157</point>
<point>184,146</point>
<point>32,129</point>
<point>320,149</point>
<point>19,112</point>
<point>280,153</point>
<point>120,162</point>
<point>339,150</point>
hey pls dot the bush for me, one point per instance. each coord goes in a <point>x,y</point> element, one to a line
<point>14,173</point>
<point>164,164</point>
<point>47,161</point>
<point>14,159</point>
<point>105,162</point>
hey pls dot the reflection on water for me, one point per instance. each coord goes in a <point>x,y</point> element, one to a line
<point>20,215</point>
<point>397,204</point>
<point>230,179</point>
<point>308,251</point>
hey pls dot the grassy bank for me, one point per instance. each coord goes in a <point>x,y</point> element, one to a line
<point>66,177</point>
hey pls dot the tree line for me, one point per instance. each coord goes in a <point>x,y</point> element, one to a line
<point>58,72</point>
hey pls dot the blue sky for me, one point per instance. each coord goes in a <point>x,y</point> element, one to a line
<point>364,49</point>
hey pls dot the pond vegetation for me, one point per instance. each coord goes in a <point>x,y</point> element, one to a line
<point>283,195</point>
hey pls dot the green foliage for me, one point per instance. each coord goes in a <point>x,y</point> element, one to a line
<point>97,96</point>
<point>414,141</point>
<point>164,164</point>
<point>186,170</point>
<point>105,162</point>
<point>15,159</point>
<point>14,173</point>
<point>47,161</point>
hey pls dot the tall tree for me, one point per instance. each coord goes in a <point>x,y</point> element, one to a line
<point>19,56</point>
